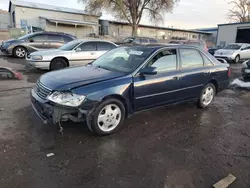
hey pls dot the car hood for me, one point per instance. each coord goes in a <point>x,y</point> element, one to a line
<point>71,78</point>
<point>48,52</point>
<point>11,41</point>
<point>225,51</point>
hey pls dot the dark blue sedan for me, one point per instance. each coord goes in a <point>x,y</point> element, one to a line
<point>126,80</point>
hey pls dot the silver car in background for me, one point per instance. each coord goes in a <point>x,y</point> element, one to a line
<point>74,53</point>
<point>234,52</point>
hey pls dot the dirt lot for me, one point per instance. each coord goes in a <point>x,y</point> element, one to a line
<point>169,147</point>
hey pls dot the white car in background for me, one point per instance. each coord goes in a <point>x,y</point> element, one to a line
<point>234,52</point>
<point>74,53</point>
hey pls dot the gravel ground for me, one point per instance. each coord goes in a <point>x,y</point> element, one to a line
<point>169,147</point>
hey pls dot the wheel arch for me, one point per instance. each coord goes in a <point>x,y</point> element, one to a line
<point>19,46</point>
<point>62,57</point>
<point>120,98</point>
<point>215,83</point>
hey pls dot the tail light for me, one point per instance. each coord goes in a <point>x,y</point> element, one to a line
<point>18,75</point>
<point>229,72</point>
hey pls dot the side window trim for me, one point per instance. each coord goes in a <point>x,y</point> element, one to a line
<point>204,55</point>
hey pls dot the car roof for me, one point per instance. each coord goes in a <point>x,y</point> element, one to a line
<point>159,46</point>
<point>94,40</point>
<point>239,43</point>
<point>52,32</point>
<point>141,38</point>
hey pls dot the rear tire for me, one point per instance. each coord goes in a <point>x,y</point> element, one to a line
<point>237,59</point>
<point>207,96</point>
<point>19,52</point>
<point>58,63</point>
<point>107,118</point>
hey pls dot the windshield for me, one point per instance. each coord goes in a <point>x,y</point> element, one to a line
<point>70,46</point>
<point>123,59</point>
<point>26,36</point>
<point>233,47</point>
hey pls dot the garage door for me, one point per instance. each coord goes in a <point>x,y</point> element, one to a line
<point>243,35</point>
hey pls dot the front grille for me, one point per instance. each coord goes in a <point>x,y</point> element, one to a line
<point>41,90</point>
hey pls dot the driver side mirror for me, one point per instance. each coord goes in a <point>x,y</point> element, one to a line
<point>148,71</point>
<point>31,39</point>
<point>78,49</point>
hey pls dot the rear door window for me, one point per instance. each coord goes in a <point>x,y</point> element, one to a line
<point>153,41</point>
<point>144,40</point>
<point>54,37</point>
<point>104,46</point>
<point>40,37</point>
<point>190,58</point>
<point>137,41</point>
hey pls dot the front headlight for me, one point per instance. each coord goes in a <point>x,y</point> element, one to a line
<point>6,45</point>
<point>67,99</point>
<point>37,57</point>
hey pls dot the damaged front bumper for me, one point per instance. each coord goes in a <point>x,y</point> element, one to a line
<point>52,113</point>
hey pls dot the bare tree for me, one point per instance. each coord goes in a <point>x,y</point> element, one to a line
<point>240,11</point>
<point>131,10</point>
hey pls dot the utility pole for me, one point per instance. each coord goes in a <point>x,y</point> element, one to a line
<point>248,10</point>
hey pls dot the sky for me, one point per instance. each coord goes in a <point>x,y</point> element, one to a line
<point>187,14</point>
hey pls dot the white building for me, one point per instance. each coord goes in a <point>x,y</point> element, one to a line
<point>53,18</point>
<point>233,32</point>
<point>4,19</point>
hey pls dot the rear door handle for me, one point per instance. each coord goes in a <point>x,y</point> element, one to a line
<point>208,72</point>
<point>92,53</point>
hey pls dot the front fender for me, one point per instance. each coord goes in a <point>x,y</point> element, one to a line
<point>120,88</point>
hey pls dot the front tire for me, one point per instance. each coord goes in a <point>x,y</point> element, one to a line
<point>19,52</point>
<point>58,63</point>
<point>206,96</point>
<point>237,59</point>
<point>107,118</point>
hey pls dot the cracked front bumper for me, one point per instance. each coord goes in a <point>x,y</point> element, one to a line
<point>52,113</point>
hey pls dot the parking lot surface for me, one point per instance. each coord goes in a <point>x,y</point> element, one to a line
<point>170,147</point>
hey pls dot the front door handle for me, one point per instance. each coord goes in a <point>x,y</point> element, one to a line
<point>92,53</point>
<point>176,78</point>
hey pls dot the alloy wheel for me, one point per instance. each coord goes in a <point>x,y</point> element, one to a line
<point>109,117</point>
<point>208,95</point>
<point>20,52</point>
